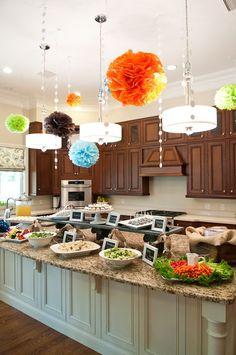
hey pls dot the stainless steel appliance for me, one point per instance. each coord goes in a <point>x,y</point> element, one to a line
<point>76,192</point>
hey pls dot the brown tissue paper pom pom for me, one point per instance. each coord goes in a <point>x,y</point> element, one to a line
<point>59,124</point>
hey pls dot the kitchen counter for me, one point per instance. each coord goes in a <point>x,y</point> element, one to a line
<point>138,274</point>
<point>207,219</point>
<point>116,312</point>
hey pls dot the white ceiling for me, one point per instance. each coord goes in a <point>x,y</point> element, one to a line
<point>155,26</point>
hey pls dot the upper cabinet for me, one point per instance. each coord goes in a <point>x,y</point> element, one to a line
<point>70,171</point>
<point>151,135</point>
<point>40,167</point>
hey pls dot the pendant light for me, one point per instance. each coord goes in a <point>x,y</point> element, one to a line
<point>101,132</point>
<point>189,118</point>
<point>43,141</point>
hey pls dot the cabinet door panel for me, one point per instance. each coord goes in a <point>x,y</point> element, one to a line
<point>231,123</point>
<point>134,180</point>
<point>44,173</point>
<point>196,178</point>
<point>121,171</point>
<point>8,271</point>
<point>217,183</point>
<point>151,131</point>
<point>53,290</point>
<point>81,301</point>
<point>26,277</point>
<point>232,167</point>
<point>67,168</point>
<point>134,133</point>
<point>114,329</point>
<point>107,171</point>
<point>220,130</point>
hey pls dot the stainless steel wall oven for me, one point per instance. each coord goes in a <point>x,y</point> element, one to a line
<point>76,192</point>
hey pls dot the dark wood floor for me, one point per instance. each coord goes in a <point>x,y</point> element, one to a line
<point>22,335</point>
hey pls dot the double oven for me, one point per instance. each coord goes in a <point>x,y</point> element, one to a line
<point>77,193</point>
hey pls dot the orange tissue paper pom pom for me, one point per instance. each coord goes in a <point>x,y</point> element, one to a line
<point>73,99</point>
<point>136,78</point>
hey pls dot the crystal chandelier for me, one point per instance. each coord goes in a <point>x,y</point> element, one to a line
<point>189,118</point>
<point>101,132</point>
<point>43,141</point>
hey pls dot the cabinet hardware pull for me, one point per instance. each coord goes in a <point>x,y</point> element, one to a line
<point>230,132</point>
<point>202,190</point>
<point>231,190</point>
<point>223,190</point>
<point>223,133</point>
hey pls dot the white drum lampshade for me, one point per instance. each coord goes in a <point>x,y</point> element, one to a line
<point>43,141</point>
<point>188,119</point>
<point>100,132</point>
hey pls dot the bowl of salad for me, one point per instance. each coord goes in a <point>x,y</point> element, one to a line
<point>40,239</point>
<point>117,258</point>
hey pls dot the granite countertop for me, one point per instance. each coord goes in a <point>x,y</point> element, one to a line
<point>204,218</point>
<point>138,273</point>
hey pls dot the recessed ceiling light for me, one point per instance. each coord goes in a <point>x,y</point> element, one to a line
<point>7,70</point>
<point>171,67</point>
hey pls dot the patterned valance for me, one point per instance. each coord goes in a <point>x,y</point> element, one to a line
<point>12,159</point>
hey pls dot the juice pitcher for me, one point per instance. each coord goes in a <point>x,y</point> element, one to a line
<point>23,205</point>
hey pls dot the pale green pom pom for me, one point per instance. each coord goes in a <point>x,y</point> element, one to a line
<point>225,97</point>
<point>17,123</point>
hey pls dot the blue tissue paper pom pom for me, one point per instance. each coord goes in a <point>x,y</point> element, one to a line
<point>84,154</point>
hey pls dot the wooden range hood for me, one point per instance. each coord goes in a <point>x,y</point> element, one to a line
<point>173,164</point>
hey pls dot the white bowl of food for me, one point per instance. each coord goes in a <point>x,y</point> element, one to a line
<point>117,258</point>
<point>39,239</point>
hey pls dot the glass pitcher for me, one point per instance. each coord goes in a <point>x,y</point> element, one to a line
<point>23,205</point>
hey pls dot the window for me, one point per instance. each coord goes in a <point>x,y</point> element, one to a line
<point>11,172</point>
<point>11,184</point>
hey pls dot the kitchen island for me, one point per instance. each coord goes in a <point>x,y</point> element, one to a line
<point>129,311</point>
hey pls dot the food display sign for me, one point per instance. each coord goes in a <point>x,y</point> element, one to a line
<point>109,243</point>
<point>69,237</point>
<point>159,224</point>
<point>149,253</point>
<point>77,215</point>
<point>113,219</point>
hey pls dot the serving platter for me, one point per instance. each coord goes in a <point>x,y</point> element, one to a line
<point>77,253</point>
<point>138,222</point>
<point>13,240</point>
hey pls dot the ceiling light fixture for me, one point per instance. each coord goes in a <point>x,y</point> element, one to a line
<point>171,67</point>
<point>190,118</point>
<point>7,70</point>
<point>101,132</point>
<point>43,141</point>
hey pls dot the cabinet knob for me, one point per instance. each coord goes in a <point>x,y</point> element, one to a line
<point>230,132</point>
<point>201,135</point>
<point>231,190</point>
<point>38,188</point>
<point>223,133</point>
<point>223,190</point>
<point>129,143</point>
<point>202,190</point>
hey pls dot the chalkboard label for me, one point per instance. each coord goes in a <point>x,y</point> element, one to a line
<point>77,215</point>
<point>109,243</point>
<point>113,219</point>
<point>149,254</point>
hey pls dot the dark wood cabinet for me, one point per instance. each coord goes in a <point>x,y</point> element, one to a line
<point>40,172</point>
<point>150,128</point>
<point>134,132</point>
<point>196,183</point>
<point>212,169</point>
<point>40,167</point>
<point>120,173</point>
<point>70,171</point>
<point>137,185</point>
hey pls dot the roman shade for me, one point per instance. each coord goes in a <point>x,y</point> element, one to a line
<point>11,159</point>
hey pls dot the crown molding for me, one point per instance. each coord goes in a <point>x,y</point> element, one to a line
<point>211,81</point>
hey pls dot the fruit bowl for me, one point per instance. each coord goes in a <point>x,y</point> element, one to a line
<point>117,258</point>
<point>40,239</point>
